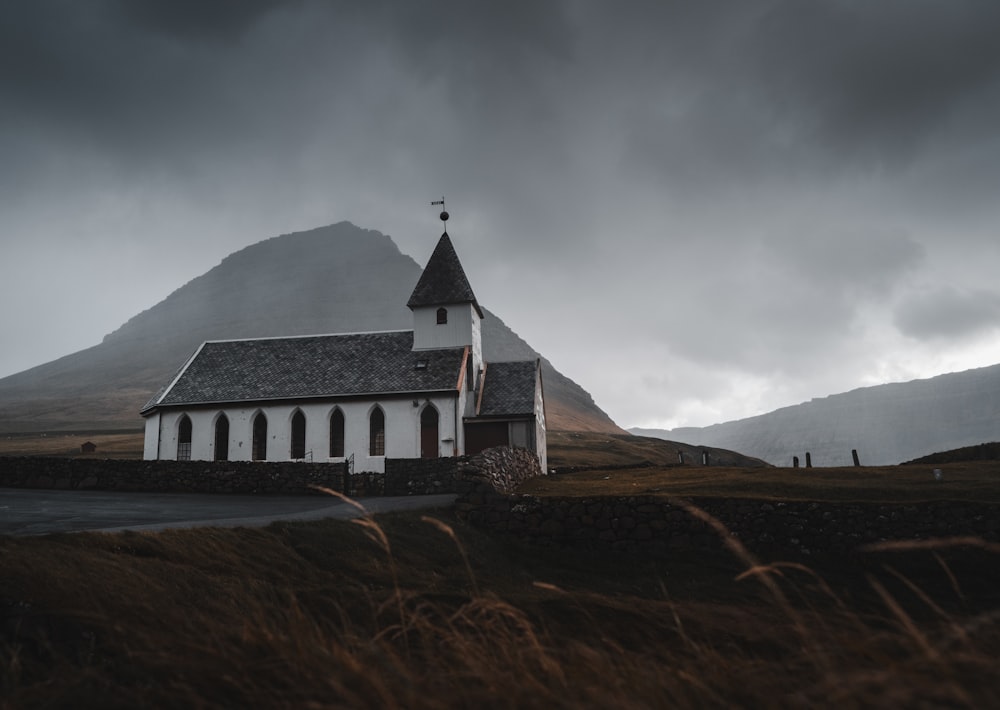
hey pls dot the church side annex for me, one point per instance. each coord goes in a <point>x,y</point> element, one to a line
<point>422,393</point>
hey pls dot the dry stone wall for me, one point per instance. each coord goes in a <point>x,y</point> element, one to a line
<point>798,528</point>
<point>291,478</point>
<point>501,469</point>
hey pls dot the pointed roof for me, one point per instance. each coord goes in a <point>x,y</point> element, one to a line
<point>443,280</point>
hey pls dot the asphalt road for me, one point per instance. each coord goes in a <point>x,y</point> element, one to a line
<point>38,512</point>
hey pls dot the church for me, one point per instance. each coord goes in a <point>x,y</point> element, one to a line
<point>364,397</point>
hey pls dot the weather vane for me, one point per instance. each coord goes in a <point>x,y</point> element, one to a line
<point>444,212</point>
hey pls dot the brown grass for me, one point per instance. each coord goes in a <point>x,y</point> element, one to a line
<point>124,445</point>
<point>974,481</point>
<point>412,612</point>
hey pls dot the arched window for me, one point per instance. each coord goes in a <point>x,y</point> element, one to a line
<point>337,434</point>
<point>184,438</point>
<point>442,316</point>
<point>376,439</point>
<point>298,435</point>
<point>429,448</point>
<point>222,438</point>
<point>259,449</point>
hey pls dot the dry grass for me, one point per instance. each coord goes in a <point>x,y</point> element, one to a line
<point>413,612</point>
<point>586,448</point>
<point>974,481</point>
<point>125,445</point>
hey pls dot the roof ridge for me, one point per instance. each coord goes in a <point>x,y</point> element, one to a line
<point>308,335</point>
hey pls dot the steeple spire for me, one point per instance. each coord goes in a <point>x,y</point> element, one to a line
<point>443,281</point>
<point>444,213</point>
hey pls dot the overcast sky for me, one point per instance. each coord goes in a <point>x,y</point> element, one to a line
<point>699,211</point>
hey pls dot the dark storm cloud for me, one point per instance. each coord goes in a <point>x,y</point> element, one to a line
<point>948,312</point>
<point>753,185</point>
<point>196,18</point>
<point>785,87</point>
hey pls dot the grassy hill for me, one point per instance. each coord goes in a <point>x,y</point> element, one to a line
<point>886,424</point>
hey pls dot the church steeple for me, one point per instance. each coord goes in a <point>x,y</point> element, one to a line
<point>443,281</point>
<point>446,313</point>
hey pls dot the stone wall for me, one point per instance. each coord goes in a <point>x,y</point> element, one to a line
<point>798,528</point>
<point>501,467</point>
<point>288,477</point>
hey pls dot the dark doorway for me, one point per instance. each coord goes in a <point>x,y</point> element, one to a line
<point>222,438</point>
<point>486,435</point>
<point>429,448</point>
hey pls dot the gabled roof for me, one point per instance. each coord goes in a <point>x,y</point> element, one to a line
<point>509,389</point>
<point>443,280</point>
<point>311,367</point>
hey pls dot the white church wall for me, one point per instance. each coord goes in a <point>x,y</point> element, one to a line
<point>151,442</point>
<point>541,445</point>
<point>402,430</point>
<point>462,328</point>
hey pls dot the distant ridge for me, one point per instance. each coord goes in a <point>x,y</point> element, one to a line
<point>333,279</point>
<point>887,424</point>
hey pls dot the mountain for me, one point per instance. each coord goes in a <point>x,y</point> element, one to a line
<point>334,279</point>
<point>887,424</point>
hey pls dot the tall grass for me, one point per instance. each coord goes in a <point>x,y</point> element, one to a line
<point>405,611</point>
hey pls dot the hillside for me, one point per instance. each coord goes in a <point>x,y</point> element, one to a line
<point>339,278</point>
<point>887,424</point>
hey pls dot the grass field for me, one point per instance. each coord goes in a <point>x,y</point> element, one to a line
<point>402,611</point>
<point>406,612</point>
<point>120,445</point>
<point>973,481</point>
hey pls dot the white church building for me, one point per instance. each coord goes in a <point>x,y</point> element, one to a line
<point>425,392</point>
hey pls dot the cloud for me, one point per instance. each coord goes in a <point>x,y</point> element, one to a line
<point>949,312</point>
<point>744,196</point>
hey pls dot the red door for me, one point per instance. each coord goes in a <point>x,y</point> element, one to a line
<point>429,434</point>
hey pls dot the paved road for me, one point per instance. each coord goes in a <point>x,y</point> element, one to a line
<point>37,512</point>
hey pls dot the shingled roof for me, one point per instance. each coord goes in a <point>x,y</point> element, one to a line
<point>509,389</point>
<point>311,367</point>
<point>443,280</point>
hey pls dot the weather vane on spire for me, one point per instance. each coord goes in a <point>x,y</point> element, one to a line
<point>444,213</point>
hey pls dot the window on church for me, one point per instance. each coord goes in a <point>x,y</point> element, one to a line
<point>337,434</point>
<point>222,438</point>
<point>442,316</point>
<point>298,435</point>
<point>184,439</point>
<point>259,449</point>
<point>376,439</point>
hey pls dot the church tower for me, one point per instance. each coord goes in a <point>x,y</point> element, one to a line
<point>445,311</point>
